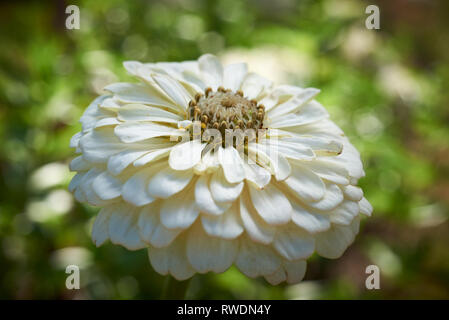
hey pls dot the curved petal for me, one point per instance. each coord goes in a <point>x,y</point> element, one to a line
<point>150,228</point>
<point>223,191</point>
<point>185,155</point>
<point>206,253</point>
<point>212,70</point>
<point>106,186</point>
<point>309,221</point>
<point>233,76</point>
<point>172,260</point>
<point>305,184</point>
<point>204,200</point>
<point>293,243</point>
<point>256,259</point>
<point>227,225</point>
<point>272,205</point>
<point>166,182</point>
<point>179,211</point>
<point>123,228</point>
<point>232,164</point>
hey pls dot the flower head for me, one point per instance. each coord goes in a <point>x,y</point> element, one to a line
<point>209,165</point>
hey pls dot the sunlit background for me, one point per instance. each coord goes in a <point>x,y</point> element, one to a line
<point>387,88</point>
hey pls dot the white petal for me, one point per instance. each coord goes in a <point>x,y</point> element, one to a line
<point>294,243</point>
<point>306,184</point>
<point>276,277</point>
<point>100,227</point>
<point>365,207</point>
<point>204,200</point>
<point>310,221</point>
<point>332,198</point>
<point>294,103</point>
<point>344,213</point>
<point>310,113</point>
<point>258,230</point>
<point>135,188</point>
<point>151,229</point>
<point>179,211</point>
<point>135,131</point>
<point>79,164</point>
<point>272,205</point>
<point>353,193</point>
<point>212,70</point>
<point>232,164</point>
<point>173,89</point>
<point>107,186</point>
<point>98,145</point>
<point>152,156</point>
<point>223,191</point>
<point>74,141</point>
<point>123,228</point>
<point>329,170</point>
<point>167,182</point>
<point>333,243</point>
<point>185,155</point>
<point>254,85</point>
<point>206,253</point>
<point>227,225</point>
<point>172,260</point>
<point>256,174</point>
<point>118,162</point>
<point>139,93</point>
<point>140,112</point>
<point>234,75</point>
<point>268,157</point>
<point>256,259</point>
<point>290,149</point>
<point>295,270</point>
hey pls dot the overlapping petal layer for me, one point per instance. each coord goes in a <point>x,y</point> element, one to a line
<point>292,193</point>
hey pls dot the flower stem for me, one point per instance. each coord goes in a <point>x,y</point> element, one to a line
<point>174,289</point>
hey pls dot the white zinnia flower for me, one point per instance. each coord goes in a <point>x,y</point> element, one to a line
<point>290,192</point>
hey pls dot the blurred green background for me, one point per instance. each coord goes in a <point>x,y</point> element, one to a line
<point>387,88</point>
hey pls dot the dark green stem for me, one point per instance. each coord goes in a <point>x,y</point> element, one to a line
<point>174,289</point>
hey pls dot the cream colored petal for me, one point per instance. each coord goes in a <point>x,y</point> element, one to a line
<point>232,164</point>
<point>257,229</point>
<point>204,200</point>
<point>106,186</point>
<point>365,207</point>
<point>172,260</point>
<point>166,182</point>
<point>174,90</point>
<point>295,270</point>
<point>344,213</point>
<point>272,205</point>
<point>256,259</point>
<point>185,155</point>
<point>333,243</point>
<point>123,228</point>
<point>305,184</point>
<point>140,112</point>
<point>179,211</point>
<point>293,243</point>
<point>254,173</point>
<point>222,190</point>
<point>206,253</point>
<point>227,225</point>
<point>152,156</point>
<point>120,161</point>
<point>234,75</point>
<point>129,132</point>
<point>329,170</point>
<point>277,277</point>
<point>332,198</point>
<point>293,104</point>
<point>79,164</point>
<point>135,188</point>
<point>353,193</point>
<point>150,228</point>
<point>309,221</point>
<point>140,93</point>
<point>211,70</point>
<point>254,86</point>
<point>100,228</point>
